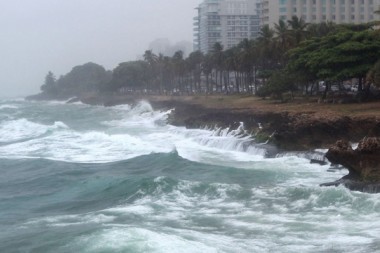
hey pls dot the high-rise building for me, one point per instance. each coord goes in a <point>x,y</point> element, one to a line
<point>225,21</point>
<point>317,11</point>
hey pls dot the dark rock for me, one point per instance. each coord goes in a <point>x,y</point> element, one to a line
<point>362,163</point>
<point>317,161</point>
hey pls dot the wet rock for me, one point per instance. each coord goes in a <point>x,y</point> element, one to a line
<point>362,163</point>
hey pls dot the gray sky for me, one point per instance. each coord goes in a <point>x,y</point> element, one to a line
<point>42,35</point>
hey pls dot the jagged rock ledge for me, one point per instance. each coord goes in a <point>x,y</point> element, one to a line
<point>289,131</point>
<point>362,163</point>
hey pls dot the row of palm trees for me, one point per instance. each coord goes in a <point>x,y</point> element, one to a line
<point>238,69</point>
<point>242,68</point>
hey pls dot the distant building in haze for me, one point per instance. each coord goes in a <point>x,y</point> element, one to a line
<point>317,11</point>
<point>225,21</point>
<point>165,47</point>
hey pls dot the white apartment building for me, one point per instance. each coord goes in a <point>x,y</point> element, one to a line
<point>225,21</point>
<point>316,11</point>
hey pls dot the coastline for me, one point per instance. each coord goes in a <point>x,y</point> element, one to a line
<point>297,126</point>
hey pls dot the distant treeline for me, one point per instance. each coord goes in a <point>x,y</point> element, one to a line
<point>294,56</point>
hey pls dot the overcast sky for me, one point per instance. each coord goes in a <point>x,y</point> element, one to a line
<point>37,36</point>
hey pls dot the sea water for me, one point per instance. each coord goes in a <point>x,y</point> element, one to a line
<point>80,178</point>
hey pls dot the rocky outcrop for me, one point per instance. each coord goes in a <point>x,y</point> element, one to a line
<point>292,131</point>
<point>363,164</point>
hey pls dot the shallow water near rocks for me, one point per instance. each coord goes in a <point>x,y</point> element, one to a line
<point>79,178</point>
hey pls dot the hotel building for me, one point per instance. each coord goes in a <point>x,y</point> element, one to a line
<point>317,11</point>
<point>225,21</point>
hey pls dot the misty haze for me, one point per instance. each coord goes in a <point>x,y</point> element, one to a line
<point>190,126</point>
<point>42,35</point>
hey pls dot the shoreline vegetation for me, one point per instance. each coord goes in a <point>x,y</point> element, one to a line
<point>299,86</point>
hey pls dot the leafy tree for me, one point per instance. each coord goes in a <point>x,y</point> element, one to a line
<point>130,76</point>
<point>373,75</point>
<point>89,77</point>
<point>49,85</point>
<point>279,83</point>
<point>337,56</point>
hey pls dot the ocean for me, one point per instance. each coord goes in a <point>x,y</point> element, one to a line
<point>80,178</point>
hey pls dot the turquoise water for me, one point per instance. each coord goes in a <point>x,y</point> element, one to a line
<point>79,178</point>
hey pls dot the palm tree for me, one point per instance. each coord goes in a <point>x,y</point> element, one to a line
<point>320,29</point>
<point>266,46</point>
<point>217,57</point>
<point>160,66</point>
<point>246,59</point>
<point>283,39</point>
<point>282,34</point>
<point>194,61</point>
<point>229,64</point>
<point>206,67</point>
<point>151,59</point>
<point>298,29</point>
<point>168,73</point>
<point>179,68</point>
<point>266,34</point>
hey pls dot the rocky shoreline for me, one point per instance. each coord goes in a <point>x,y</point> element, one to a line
<point>288,130</point>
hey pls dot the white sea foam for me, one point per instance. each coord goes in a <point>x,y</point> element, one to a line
<point>71,220</point>
<point>279,218</point>
<point>22,129</point>
<point>134,239</point>
<point>138,131</point>
<point>2,107</point>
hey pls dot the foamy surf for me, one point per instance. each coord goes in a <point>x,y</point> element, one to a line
<point>136,131</point>
<point>80,178</point>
